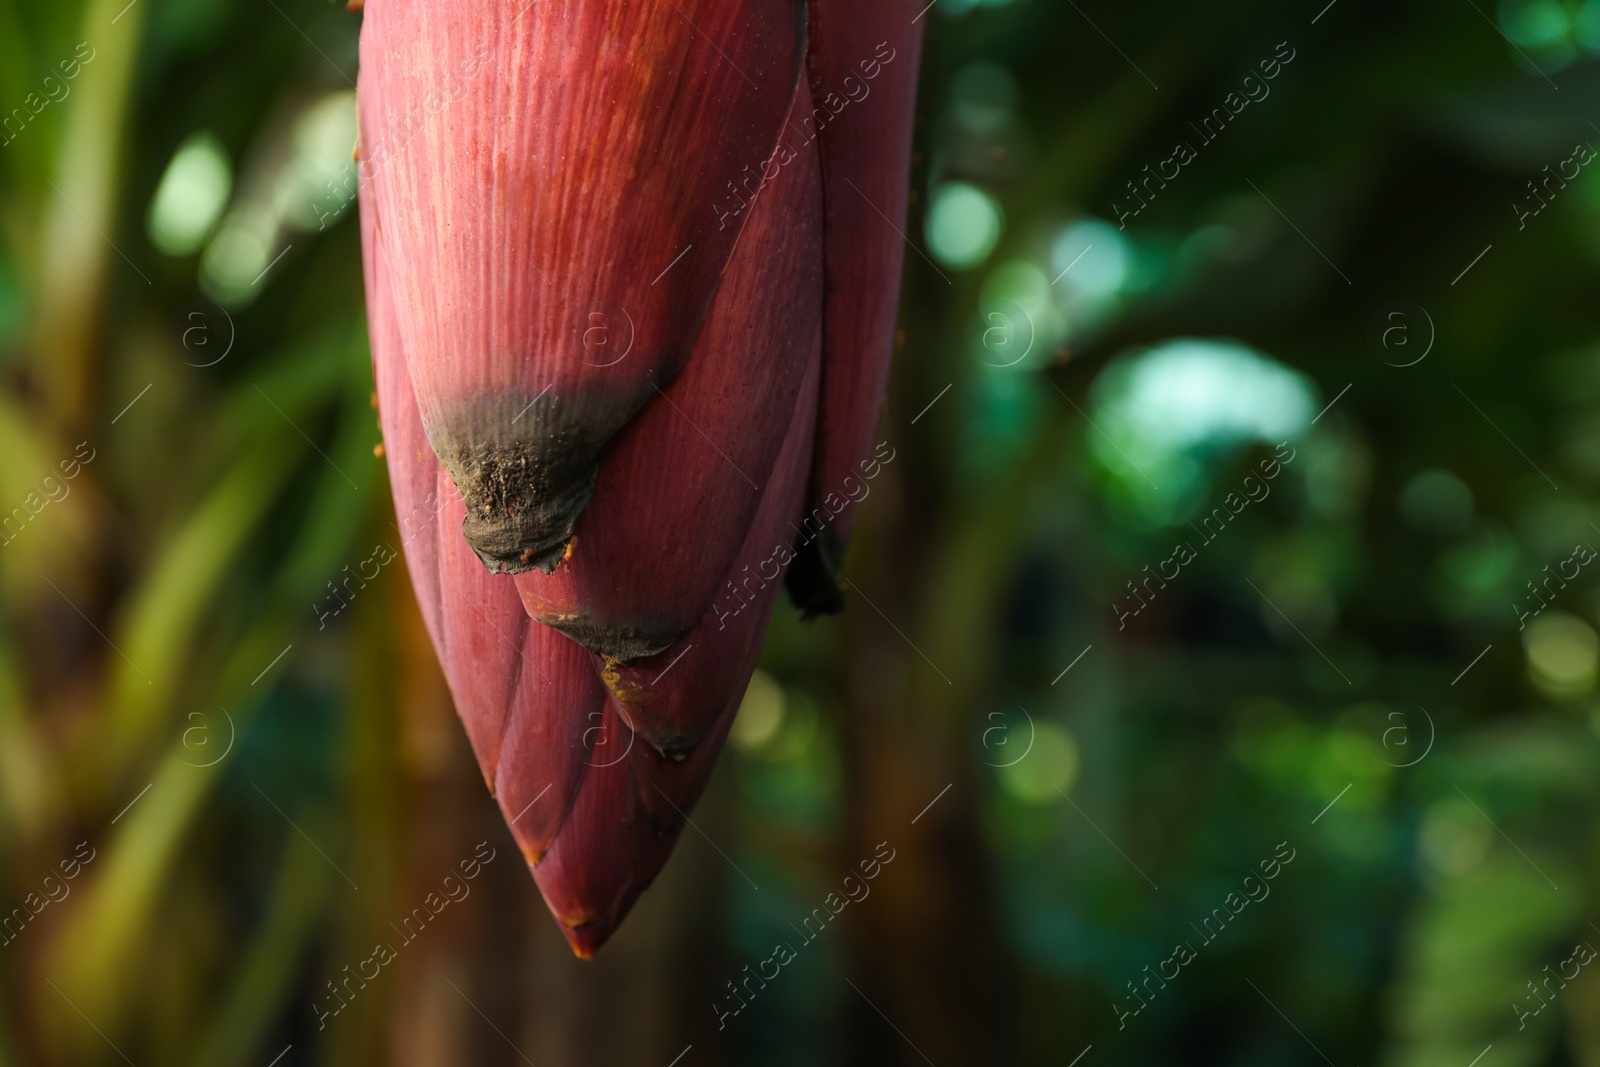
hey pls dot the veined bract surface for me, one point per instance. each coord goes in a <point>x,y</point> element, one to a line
<point>631,284</point>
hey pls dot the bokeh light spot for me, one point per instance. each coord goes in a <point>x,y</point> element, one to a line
<point>964,225</point>
<point>1437,502</point>
<point>1562,654</point>
<point>1157,411</point>
<point>191,195</point>
<point>1094,257</point>
<point>1534,23</point>
<point>1051,764</point>
<point>760,713</point>
<point>1454,838</point>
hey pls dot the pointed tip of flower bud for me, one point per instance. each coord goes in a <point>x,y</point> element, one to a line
<point>507,245</point>
<point>586,940</point>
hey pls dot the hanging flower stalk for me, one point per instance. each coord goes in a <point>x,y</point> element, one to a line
<point>631,283</point>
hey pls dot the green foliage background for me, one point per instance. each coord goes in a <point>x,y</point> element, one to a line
<point>265,786</point>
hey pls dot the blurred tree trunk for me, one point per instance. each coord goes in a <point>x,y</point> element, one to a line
<point>930,952</point>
